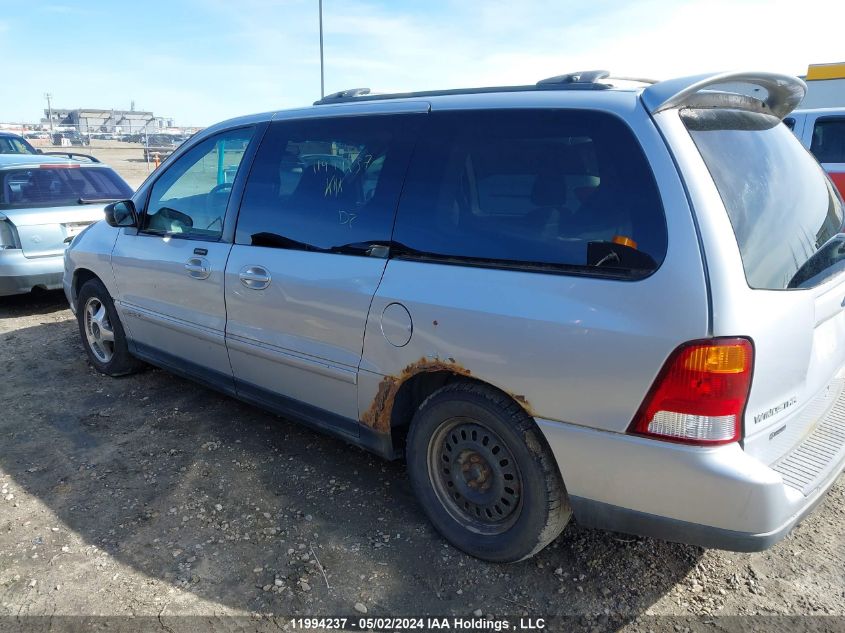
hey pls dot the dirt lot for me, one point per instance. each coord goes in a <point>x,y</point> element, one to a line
<point>154,498</point>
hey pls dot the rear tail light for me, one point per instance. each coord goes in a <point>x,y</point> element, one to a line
<point>8,236</point>
<point>700,394</point>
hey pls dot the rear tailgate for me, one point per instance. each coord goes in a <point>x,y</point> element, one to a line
<point>45,232</point>
<point>786,291</point>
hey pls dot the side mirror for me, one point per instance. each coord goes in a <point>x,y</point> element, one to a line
<point>121,214</point>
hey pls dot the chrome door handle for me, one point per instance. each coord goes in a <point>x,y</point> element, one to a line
<point>198,268</point>
<point>255,277</point>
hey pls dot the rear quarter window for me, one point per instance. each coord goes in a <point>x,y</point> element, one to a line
<point>550,190</point>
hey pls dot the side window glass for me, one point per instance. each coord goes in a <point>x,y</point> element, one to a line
<point>190,198</point>
<point>828,145</point>
<point>790,123</point>
<point>328,185</point>
<point>567,189</point>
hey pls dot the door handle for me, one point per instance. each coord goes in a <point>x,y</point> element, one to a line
<point>255,277</point>
<point>198,268</point>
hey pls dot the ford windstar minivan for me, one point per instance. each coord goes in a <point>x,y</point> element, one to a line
<point>610,299</point>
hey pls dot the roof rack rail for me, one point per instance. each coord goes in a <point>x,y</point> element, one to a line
<point>583,80</point>
<point>582,77</point>
<point>71,155</point>
<point>344,94</point>
<point>784,93</point>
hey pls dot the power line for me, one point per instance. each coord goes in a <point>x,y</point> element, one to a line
<point>322,76</point>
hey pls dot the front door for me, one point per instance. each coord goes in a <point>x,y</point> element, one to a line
<point>310,249</point>
<point>169,272</point>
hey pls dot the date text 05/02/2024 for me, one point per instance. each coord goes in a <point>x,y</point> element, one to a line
<point>420,624</point>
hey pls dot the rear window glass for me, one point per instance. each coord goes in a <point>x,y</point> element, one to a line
<point>783,209</point>
<point>828,144</point>
<point>58,186</point>
<point>555,190</point>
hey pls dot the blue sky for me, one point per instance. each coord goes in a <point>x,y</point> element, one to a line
<point>201,61</point>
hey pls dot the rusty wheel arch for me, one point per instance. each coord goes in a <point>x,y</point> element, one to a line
<point>399,395</point>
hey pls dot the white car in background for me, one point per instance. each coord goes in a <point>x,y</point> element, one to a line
<point>45,201</point>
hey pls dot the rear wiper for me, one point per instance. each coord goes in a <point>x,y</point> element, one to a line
<point>98,200</point>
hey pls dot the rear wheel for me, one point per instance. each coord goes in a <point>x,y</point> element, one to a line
<point>484,474</point>
<point>102,333</point>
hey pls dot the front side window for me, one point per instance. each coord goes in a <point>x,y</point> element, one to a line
<point>190,198</point>
<point>60,184</point>
<point>556,190</point>
<point>783,209</point>
<point>828,144</point>
<point>327,185</point>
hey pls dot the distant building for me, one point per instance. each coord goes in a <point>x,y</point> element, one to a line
<point>89,121</point>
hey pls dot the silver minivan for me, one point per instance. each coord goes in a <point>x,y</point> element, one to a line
<point>615,300</point>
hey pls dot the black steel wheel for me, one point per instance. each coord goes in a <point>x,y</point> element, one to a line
<point>484,473</point>
<point>475,476</point>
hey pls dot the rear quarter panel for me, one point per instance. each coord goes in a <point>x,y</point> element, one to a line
<point>574,349</point>
<point>798,335</point>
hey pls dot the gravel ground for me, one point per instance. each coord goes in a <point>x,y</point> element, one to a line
<point>151,496</point>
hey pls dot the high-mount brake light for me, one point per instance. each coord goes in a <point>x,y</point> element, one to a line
<point>59,166</point>
<point>700,394</point>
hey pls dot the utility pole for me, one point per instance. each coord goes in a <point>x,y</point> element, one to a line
<point>48,96</point>
<point>322,76</point>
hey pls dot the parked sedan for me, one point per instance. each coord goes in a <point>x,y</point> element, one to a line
<point>45,201</point>
<point>14,144</point>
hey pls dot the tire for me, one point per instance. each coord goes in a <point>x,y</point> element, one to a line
<point>98,322</point>
<point>475,442</point>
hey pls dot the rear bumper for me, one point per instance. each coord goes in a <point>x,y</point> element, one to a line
<point>19,274</point>
<point>712,497</point>
<point>596,514</point>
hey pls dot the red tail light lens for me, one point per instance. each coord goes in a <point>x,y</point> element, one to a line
<point>700,394</point>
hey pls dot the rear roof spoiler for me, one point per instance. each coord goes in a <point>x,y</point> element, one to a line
<point>784,93</point>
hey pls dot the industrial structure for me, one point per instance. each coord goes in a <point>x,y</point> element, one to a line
<point>89,121</point>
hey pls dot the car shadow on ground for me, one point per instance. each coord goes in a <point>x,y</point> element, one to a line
<point>253,512</point>
<point>36,302</point>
